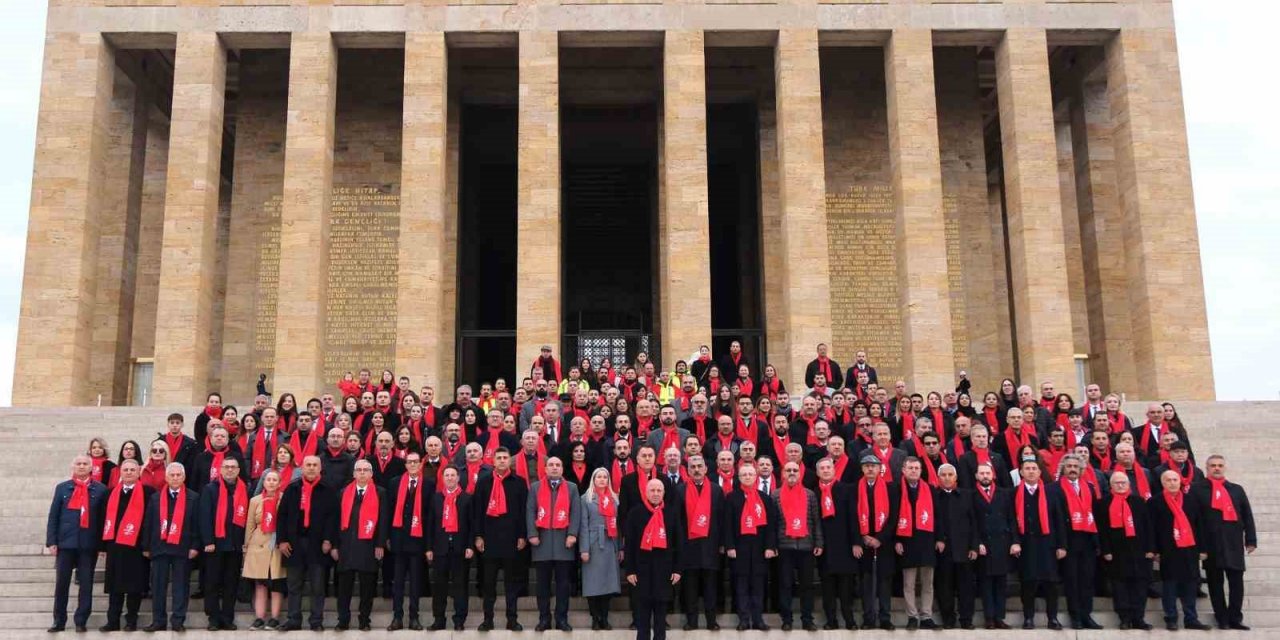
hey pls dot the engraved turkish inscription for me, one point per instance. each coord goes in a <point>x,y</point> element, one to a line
<point>955,282</point>
<point>364,242</point>
<point>268,295</point>
<point>864,276</point>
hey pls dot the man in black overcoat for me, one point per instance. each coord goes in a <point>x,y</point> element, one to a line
<point>500,537</point>
<point>173,541</point>
<point>408,539</point>
<point>994,507</point>
<point>653,533</point>
<point>361,543</point>
<point>836,565</point>
<point>1230,534</point>
<point>123,535</point>
<point>307,527</point>
<point>958,539</point>
<point>449,549</point>
<point>876,516</point>
<point>1039,542</point>
<point>700,556</point>
<point>751,539</point>
<point>224,510</point>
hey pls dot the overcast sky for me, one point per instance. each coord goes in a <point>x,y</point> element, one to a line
<point>1235,162</point>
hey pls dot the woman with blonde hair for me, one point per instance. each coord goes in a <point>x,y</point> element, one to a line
<point>262,560</point>
<point>598,546</point>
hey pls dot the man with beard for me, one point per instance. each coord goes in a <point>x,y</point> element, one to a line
<point>630,491</point>
<point>915,542</point>
<point>364,516</point>
<point>751,540</point>
<point>208,463</point>
<point>336,463</point>
<point>699,421</point>
<point>995,513</point>
<point>723,440</point>
<point>668,435</point>
<point>829,368</point>
<point>449,550</point>
<point>1079,570</point>
<point>500,537</point>
<point>224,510</point>
<point>553,513</point>
<point>122,533</point>
<point>876,501</point>
<point>981,454</point>
<point>1176,516</point>
<point>620,465</point>
<point>799,542</point>
<point>1230,534</point>
<point>407,539</point>
<point>860,366</point>
<point>307,526</point>
<point>386,465</point>
<point>1039,542</point>
<point>836,565</point>
<point>1127,550</point>
<point>700,557</point>
<point>958,541</point>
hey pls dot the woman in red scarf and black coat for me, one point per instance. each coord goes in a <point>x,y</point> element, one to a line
<point>1128,547</point>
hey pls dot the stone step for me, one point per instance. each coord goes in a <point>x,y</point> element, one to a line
<point>379,633</point>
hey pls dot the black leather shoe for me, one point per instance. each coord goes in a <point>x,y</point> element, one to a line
<point>1001,625</point>
<point>786,626</point>
<point>1054,625</point>
<point>1142,625</point>
<point>1028,624</point>
<point>342,626</point>
<point>929,624</point>
<point>1125,625</point>
<point>542,626</point>
<point>689,626</point>
<point>514,625</point>
<point>57,628</point>
<point>129,628</point>
<point>458,626</point>
<point>831,625</point>
<point>1090,623</point>
<point>605,626</point>
<point>108,628</point>
<point>415,624</point>
<point>291,626</point>
<point>1197,626</point>
<point>967,626</point>
<point>153,627</point>
<point>867,626</point>
<point>809,626</point>
<point>1239,626</point>
<point>887,626</point>
<point>81,628</point>
<point>712,625</point>
<point>179,628</point>
<point>213,626</point>
<point>396,624</point>
<point>742,626</point>
<point>1171,625</point>
<point>438,625</point>
<point>317,626</point>
<point>912,624</point>
<point>487,625</point>
<point>230,626</point>
<point>365,626</point>
<point>760,626</point>
<point>1077,625</point>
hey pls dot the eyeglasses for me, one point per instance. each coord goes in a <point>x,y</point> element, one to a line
<point>157,451</point>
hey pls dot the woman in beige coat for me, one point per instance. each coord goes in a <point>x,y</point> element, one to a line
<point>262,561</point>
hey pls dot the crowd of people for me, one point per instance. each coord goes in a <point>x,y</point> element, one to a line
<point>702,488</point>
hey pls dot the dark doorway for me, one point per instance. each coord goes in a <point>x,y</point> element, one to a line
<point>609,178</point>
<point>733,185</point>
<point>487,244</point>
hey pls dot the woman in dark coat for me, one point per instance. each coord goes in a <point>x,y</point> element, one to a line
<point>1125,537</point>
<point>836,565</point>
<point>654,571</point>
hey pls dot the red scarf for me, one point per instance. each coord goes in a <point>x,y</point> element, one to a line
<point>1052,457</point>
<point>304,445</point>
<point>449,512</point>
<point>1117,421</point>
<point>1089,477</point>
<point>988,492</point>
<point>1188,477</point>
<point>1145,441</point>
<point>1079,507</point>
<point>1121,514</point>
<point>824,366</point>
<point>491,446</point>
<point>840,464</point>
<point>1020,504</point>
<point>770,387</point>
<point>983,455</point>
<point>993,423</point>
<point>932,475</point>
<point>881,506</point>
<point>213,412</point>
<point>795,511</point>
<point>885,457</point>
<point>126,531</point>
<point>670,438</point>
<point>655,532</point>
<point>522,464</point>
<point>812,438</point>
<point>1221,500</point>
<point>701,429</point>
<point>402,494</point>
<point>79,500</point>
<point>1139,480</point>
<point>240,503</point>
<point>923,519</point>
<point>746,386</point>
<point>616,474</point>
<point>498,496</point>
<point>269,504</point>
<point>753,512</point>
<point>1104,460</point>
<point>608,507</point>
<point>258,456</point>
<point>473,475</point>
<point>1015,441</point>
<point>748,429</point>
<point>171,530</point>
<point>96,473</point>
<point>697,510</point>
<point>908,425</point>
<point>1183,535</point>
<point>304,501</point>
<point>826,502</point>
<point>368,510</point>
<point>939,424</point>
<point>175,444</point>
<point>215,465</point>
<point>780,442</point>
<point>643,425</point>
<point>725,480</point>
<point>552,516</point>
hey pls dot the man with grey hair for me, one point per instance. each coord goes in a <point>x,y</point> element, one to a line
<point>1035,414</point>
<point>1082,542</point>
<point>1230,534</point>
<point>364,516</point>
<point>172,538</point>
<point>957,543</point>
<point>73,535</point>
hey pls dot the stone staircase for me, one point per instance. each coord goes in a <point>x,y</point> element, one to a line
<point>36,446</point>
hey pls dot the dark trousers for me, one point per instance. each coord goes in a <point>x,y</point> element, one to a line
<point>599,607</point>
<point>876,590</point>
<point>695,583</point>
<point>1225,611</point>
<point>797,565</point>
<point>346,587</point>
<point>314,577</point>
<point>1174,590</point>
<point>1129,597</point>
<point>1045,588</point>
<point>557,570</point>
<point>407,569</point>
<point>749,590</point>
<point>837,593</point>
<point>651,618</point>
<point>512,579</point>
<point>166,570</point>
<point>953,581</point>
<point>993,590</point>
<point>1078,578</point>
<point>82,563</point>
<point>123,603</point>
<point>221,580</point>
<point>449,579</point>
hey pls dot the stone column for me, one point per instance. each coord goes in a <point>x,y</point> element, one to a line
<point>1037,259</point>
<point>1102,240</point>
<point>684,235</point>
<point>538,178</point>
<point>924,291</point>
<point>184,314</point>
<point>803,206</point>
<point>1166,290</point>
<point>420,339</point>
<point>55,327</point>
<point>304,214</point>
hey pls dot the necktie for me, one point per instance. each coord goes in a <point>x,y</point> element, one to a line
<point>359,493</point>
<point>555,484</point>
<point>413,483</point>
<point>766,486</point>
<point>173,495</point>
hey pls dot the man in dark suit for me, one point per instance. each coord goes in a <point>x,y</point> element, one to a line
<point>224,510</point>
<point>876,505</point>
<point>408,539</point>
<point>364,514</point>
<point>704,530</point>
<point>500,537</point>
<point>860,366</point>
<point>1039,542</point>
<point>994,505</point>
<point>122,536</point>
<point>653,532</point>
<point>958,536</point>
<point>1230,534</point>
<point>553,513</point>
<point>182,448</point>
<point>827,367</point>
<point>73,535</point>
<point>449,549</point>
<point>308,525</point>
<point>173,540</point>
